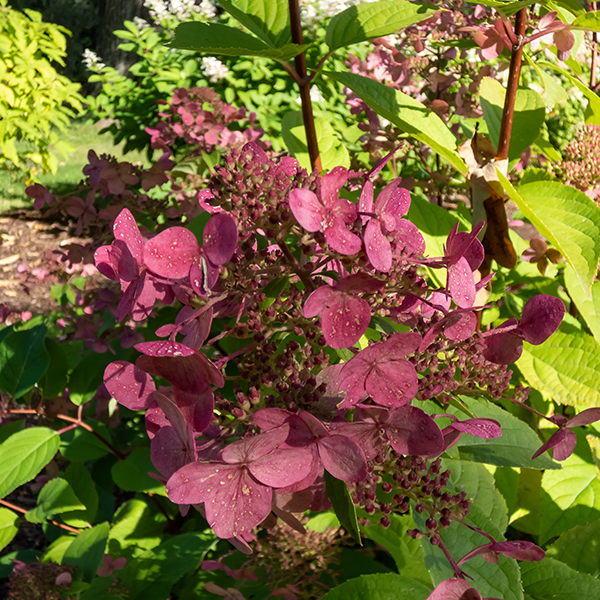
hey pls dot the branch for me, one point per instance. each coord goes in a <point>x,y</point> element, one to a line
<point>23,511</point>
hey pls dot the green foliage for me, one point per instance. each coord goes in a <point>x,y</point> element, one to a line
<point>9,525</point>
<point>34,99</point>
<point>56,497</point>
<point>379,587</point>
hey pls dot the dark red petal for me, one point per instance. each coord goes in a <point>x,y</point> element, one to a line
<point>283,467</point>
<point>342,458</point>
<point>307,209</point>
<point>128,385</point>
<point>345,320</point>
<point>519,550</point>
<point>255,447</point>
<point>125,228</point>
<point>541,317</point>
<point>559,437</point>
<point>377,246</point>
<point>412,431</point>
<point>585,417</point>
<point>220,238</point>
<point>482,428</point>
<point>172,252</point>
<point>503,348</point>
<point>461,283</point>
<point>318,301</point>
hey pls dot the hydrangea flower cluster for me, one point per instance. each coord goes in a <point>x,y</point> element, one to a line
<point>296,274</point>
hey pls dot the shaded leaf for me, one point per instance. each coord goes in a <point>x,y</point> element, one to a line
<point>131,474</point>
<point>588,306</point>
<point>579,548</point>
<point>57,496</point>
<point>342,505</point>
<point>379,587</point>
<point>87,549</point>
<point>9,525</point>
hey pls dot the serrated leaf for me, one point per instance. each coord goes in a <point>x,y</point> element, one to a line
<point>588,306</point>
<point>589,21</point>
<point>80,479</point>
<point>570,497</point>
<point>56,497</point>
<point>495,580</point>
<point>565,216</point>
<point>565,368</point>
<point>268,19</point>
<point>529,115</point>
<point>23,360</point>
<point>221,40</point>
<point>131,474</point>
<point>406,551</point>
<point>550,579</point>
<point>385,586</point>
<point>579,548</point>
<point>367,21</point>
<point>153,573</point>
<point>407,113</point>
<point>87,549</point>
<point>332,150</point>
<point>9,525</point>
<point>23,455</point>
<point>342,505</point>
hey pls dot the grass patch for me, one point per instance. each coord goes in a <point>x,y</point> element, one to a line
<point>84,136</point>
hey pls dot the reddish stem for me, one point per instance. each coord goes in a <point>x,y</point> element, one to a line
<point>304,83</point>
<point>23,511</point>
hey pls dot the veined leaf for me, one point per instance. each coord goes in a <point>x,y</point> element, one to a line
<point>550,579</point>
<point>588,306</point>
<point>529,116</point>
<point>332,150</point>
<point>342,505</point>
<point>87,549</point>
<point>588,21</point>
<point>131,474</point>
<point>567,217</point>
<point>379,587</point>
<point>218,39</point>
<point>23,455</point>
<point>367,21</point>
<point>407,113</point>
<point>268,19</point>
<point>56,497</point>
<point>565,368</point>
<point>9,525</point>
<point>579,548</point>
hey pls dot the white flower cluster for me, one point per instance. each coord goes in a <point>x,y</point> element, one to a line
<point>214,69</point>
<point>160,10</point>
<point>92,61</point>
<point>313,12</point>
<point>140,23</point>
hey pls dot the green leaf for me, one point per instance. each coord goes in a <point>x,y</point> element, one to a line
<point>550,580</point>
<point>579,548</point>
<point>7,430</point>
<point>56,550</point>
<point>153,573</point>
<point>406,551</point>
<point>54,380</point>
<point>80,479</point>
<point>87,376</point>
<point>214,38</point>
<point>554,91</point>
<point>131,474</point>
<point>23,455</point>
<point>570,497</point>
<point>407,113</point>
<point>589,21</point>
<point>588,306</point>
<point>528,119</point>
<point>273,290</point>
<point>87,549</point>
<point>268,19</point>
<point>9,525</point>
<point>332,150</point>
<point>565,216</point>
<point>496,580</point>
<point>565,368</point>
<point>343,506</point>
<point>57,496</point>
<point>135,528</point>
<point>367,21</point>
<point>23,360</point>
<point>386,586</point>
<point>80,445</point>
<point>514,449</point>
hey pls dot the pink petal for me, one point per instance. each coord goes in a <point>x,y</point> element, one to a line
<point>412,432</point>
<point>563,440</point>
<point>103,262</point>
<point>168,451</point>
<point>461,284</point>
<point>392,383</point>
<point>585,417</point>
<point>342,458</point>
<point>318,301</point>
<point>460,326</point>
<point>453,589</point>
<point>164,348</point>
<point>408,238</point>
<point>541,317</point>
<point>503,348</point>
<point>283,467</point>
<point>128,385</point>
<point>393,200</point>
<point>125,228</point>
<point>482,428</point>
<point>170,254</point>
<point>341,240</point>
<point>345,320</point>
<point>365,202</point>
<point>255,447</point>
<point>196,408</point>
<point>307,209</point>
<point>331,184</point>
<point>359,283</point>
<point>123,262</point>
<point>475,552</point>
<point>519,550</point>
<point>220,238</point>
<point>379,249</point>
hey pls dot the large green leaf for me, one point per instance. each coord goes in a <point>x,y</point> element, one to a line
<point>268,19</point>
<point>222,40</point>
<point>87,376</point>
<point>332,150</point>
<point>551,580</point>
<point>56,497</point>
<point>570,497</point>
<point>366,21</point>
<point>589,21</point>
<point>153,573</point>
<point>131,474</point>
<point>565,216</point>
<point>342,505</point>
<point>23,455</point>
<point>530,112</point>
<point>80,445</point>
<point>514,449</point>
<point>23,360</point>
<point>588,306</point>
<point>9,525</point>
<point>565,368</point>
<point>80,479</point>
<point>87,549</point>
<point>406,551</point>
<point>387,586</point>
<point>407,113</point>
<point>54,380</point>
<point>579,548</point>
